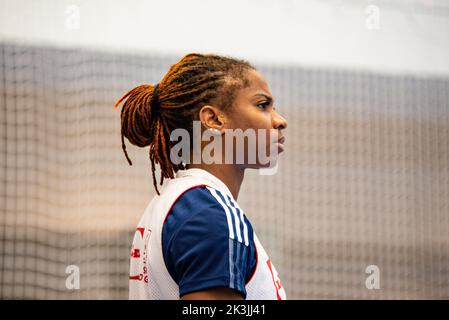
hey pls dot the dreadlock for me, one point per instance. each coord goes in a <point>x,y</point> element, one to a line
<point>150,113</point>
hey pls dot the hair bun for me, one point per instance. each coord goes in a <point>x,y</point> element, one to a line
<point>138,115</point>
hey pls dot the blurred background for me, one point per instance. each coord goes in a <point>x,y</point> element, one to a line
<point>364,180</point>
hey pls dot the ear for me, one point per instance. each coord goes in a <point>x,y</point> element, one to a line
<point>212,117</point>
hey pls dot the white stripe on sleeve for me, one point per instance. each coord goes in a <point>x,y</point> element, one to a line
<point>242,218</point>
<point>226,209</point>
<point>236,218</point>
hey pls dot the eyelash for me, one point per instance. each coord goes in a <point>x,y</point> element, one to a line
<point>265,104</point>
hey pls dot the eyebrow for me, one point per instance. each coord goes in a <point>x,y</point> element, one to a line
<point>270,99</point>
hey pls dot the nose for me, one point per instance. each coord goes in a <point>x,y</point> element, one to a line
<point>279,122</point>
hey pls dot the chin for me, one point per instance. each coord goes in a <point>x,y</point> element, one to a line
<point>270,164</point>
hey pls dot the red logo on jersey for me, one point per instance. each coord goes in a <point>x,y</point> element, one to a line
<point>137,277</point>
<point>139,250</point>
<point>135,253</point>
<point>276,282</point>
<point>141,231</point>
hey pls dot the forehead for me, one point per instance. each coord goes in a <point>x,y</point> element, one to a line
<point>257,84</point>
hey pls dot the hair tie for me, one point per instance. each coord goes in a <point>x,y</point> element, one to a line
<point>154,100</point>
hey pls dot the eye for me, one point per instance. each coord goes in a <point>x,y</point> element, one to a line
<point>263,104</point>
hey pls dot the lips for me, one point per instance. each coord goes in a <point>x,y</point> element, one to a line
<point>280,144</point>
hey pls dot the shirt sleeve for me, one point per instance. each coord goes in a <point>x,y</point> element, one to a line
<point>208,242</point>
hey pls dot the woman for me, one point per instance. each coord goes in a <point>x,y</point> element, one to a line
<point>194,241</point>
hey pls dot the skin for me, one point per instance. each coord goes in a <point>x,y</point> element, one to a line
<point>251,109</point>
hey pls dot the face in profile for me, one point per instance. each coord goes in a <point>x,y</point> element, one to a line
<point>253,111</point>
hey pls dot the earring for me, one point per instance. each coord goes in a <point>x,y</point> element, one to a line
<point>214,131</point>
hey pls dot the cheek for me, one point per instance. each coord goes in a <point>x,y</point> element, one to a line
<point>262,124</point>
<point>255,120</point>
<point>250,118</point>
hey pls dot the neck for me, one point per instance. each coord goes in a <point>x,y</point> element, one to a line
<point>231,175</point>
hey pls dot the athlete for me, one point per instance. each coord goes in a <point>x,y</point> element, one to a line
<point>194,241</point>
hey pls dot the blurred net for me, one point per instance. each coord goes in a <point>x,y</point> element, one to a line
<point>364,179</point>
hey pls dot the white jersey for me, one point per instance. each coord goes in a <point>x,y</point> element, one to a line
<point>194,236</point>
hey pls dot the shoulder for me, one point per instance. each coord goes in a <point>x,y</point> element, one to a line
<point>208,242</point>
<point>207,207</point>
<point>202,204</point>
